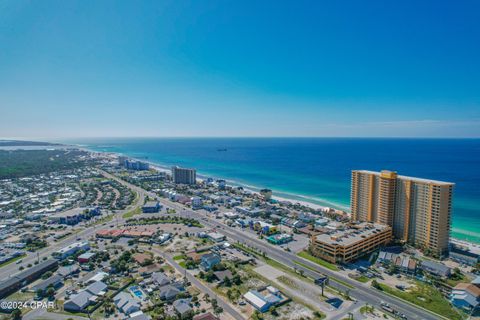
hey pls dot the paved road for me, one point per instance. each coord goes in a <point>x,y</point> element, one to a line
<point>361,293</point>
<point>197,283</point>
<point>12,269</point>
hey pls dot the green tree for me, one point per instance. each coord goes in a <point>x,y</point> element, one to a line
<point>376,285</point>
<point>16,314</point>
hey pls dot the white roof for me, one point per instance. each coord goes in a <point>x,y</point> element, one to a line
<point>272,289</point>
<point>98,277</point>
<point>254,300</point>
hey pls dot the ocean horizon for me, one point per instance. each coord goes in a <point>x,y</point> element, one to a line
<point>317,170</point>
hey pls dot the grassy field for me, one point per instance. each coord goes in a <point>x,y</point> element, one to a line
<point>164,220</point>
<point>131,213</point>
<point>12,260</point>
<point>321,262</point>
<point>362,279</point>
<point>426,297</point>
<point>273,263</point>
<point>456,279</point>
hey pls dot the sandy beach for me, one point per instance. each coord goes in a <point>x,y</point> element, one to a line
<point>474,247</point>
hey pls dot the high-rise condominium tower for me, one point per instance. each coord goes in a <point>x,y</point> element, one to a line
<point>184,175</point>
<point>418,210</point>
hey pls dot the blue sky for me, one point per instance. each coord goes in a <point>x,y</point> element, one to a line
<point>239,68</point>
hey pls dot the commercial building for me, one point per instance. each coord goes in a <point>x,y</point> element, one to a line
<point>263,227</point>
<point>418,210</point>
<point>230,215</point>
<point>16,282</point>
<point>255,212</point>
<point>86,257</point>
<point>463,256</point>
<point>71,249</point>
<point>184,175</point>
<point>436,269</point>
<point>151,207</point>
<point>74,216</point>
<point>263,300</point>
<point>280,238</point>
<point>215,236</point>
<point>340,246</point>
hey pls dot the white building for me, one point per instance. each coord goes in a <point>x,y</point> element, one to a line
<point>197,202</point>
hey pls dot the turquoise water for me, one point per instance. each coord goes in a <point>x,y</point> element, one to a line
<point>318,169</point>
<point>136,291</point>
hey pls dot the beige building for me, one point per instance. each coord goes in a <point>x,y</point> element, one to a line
<point>418,210</point>
<point>347,245</point>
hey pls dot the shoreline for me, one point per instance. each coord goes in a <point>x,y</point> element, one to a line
<point>201,177</point>
<point>473,246</point>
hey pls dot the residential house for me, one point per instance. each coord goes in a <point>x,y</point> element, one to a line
<point>97,288</point>
<point>161,279</point>
<point>182,307</point>
<point>168,292</point>
<point>222,275</point>
<point>149,270</point>
<point>125,303</point>
<point>466,296</point>
<point>139,315</point>
<point>79,301</point>
<point>205,316</point>
<point>209,260</point>
<point>55,281</point>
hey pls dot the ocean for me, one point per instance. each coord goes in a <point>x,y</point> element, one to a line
<point>317,170</point>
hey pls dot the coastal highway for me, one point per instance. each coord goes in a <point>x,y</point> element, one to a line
<point>358,291</point>
<point>12,268</point>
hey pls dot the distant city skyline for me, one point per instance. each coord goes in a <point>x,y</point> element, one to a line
<point>239,69</point>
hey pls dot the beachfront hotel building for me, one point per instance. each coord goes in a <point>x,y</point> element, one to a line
<point>347,245</point>
<point>418,210</point>
<point>184,175</point>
